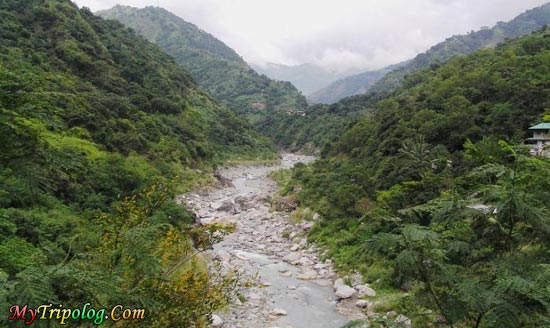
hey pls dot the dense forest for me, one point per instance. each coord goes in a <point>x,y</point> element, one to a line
<point>350,86</point>
<point>424,186</point>
<point>99,130</point>
<point>216,67</point>
<point>320,125</point>
<point>433,193</point>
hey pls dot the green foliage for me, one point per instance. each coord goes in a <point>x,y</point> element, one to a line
<point>216,67</point>
<point>99,129</point>
<point>429,194</point>
<point>350,85</point>
<point>301,214</point>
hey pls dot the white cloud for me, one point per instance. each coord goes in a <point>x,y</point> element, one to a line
<point>340,35</point>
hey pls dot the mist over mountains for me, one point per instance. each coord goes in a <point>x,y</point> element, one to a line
<point>426,203</point>
<point>320,85</point>
<point>308,78</point>
<point>390,77</point>
<point>217,68</point>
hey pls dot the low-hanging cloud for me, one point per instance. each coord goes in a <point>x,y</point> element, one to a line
<point>338,35</point>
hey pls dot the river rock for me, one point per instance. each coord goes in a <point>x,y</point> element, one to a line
<point>403,320</point>
<point>216,321</point>
<point>305,261</point>
<point>286,204</point>
<point>254,297</point>
<point>206,220</point>
<point>324,273</point>
<point>323,282</point>
<point>365,290</point>
<point>260,231</point>
<point>279,312</point>
<point>224,182</point>
<point>242,257</point>
<point>342,290</point>
<point>222,256</point>
<point>259,199</point>
<point>226,205</point>
<point>306,276</point>
<point>362,303</point>
<point>244,203</point>
<point>319,266</point>
<point>306,225</point>
<point>226,220</point>
<point>291,257</point>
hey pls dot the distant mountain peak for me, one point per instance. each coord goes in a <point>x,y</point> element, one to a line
<point>216,67</point>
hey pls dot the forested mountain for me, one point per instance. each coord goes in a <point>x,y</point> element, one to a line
<point>347,87</point>
<point>215,66</point>
<point>322,124</point>
<point>433,193</point>
<point>525,23</point>
<point>98,127</point>
<point>318,126</point>
<point>308,78</point>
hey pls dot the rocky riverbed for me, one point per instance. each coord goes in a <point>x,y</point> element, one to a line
<point>292,286</point>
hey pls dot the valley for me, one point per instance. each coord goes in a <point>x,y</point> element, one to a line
<point>291,285</point>
<point>145,164</point>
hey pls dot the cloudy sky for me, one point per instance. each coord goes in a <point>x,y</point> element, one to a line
<point>336,34</point>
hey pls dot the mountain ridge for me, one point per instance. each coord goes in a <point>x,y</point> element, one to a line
<point>350,85</point>
<point>525,23</point>
<point>100,131</point>
<point>215,66</point>
<point>438,170</point>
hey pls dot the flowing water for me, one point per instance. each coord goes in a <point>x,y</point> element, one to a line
<point>292,286</point>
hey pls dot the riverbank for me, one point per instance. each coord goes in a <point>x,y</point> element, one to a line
<point>290,285</point>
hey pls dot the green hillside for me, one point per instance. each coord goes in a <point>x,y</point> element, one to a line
<point>99,130</point>
<point>350,86</point>
<point>215,66</point>
<point>432,193</point>
<point>322,124</point>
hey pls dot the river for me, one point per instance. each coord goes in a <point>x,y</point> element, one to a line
<point>292,286</point>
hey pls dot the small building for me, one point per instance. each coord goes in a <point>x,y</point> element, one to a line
<point>540,142</point>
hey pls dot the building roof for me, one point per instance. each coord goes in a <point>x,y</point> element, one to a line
<point>541,126</point>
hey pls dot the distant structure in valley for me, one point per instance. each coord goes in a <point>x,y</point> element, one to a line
<point>540,142</point>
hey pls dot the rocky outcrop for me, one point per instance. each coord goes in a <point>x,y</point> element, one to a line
<point>223,181</point>
<point>365,290</point>
<point>342,290</point>
<point>286,204</point>
<point>216,321</point>
<point>404,321</point>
